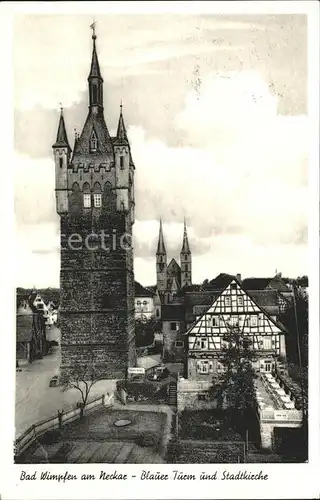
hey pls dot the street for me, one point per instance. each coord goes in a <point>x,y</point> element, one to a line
<point>35,400</point>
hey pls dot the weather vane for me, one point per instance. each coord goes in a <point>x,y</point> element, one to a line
<point>93,27</point>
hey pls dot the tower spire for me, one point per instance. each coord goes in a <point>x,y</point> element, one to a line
<point>95,79</point>
<point>161,247</point>
<point>62,138</point>
<point>185,244</point>
<point>121,131</point>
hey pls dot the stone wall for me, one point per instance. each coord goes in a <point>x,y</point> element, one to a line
<point>97,295</point>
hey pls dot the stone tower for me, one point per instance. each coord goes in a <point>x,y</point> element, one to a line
<point>95,202</point>
<point>185,260</point>
<point>161,262</point>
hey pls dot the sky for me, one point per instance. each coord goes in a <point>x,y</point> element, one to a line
<point>216,113</point>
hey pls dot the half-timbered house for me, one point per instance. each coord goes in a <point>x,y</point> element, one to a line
<point>233,306</point>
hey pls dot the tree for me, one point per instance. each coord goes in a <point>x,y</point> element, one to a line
<point>145,330</point>
<point>295,319</point>
<point>82,377</point>
<point>235,386</point>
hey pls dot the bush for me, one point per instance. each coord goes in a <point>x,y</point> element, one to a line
<point>174,451</point>
<point>147,440</point>
<point>143,391</point>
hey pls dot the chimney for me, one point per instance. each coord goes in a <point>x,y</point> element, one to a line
<point>238,276</point>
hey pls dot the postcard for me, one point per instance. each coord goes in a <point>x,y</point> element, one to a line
<point>161,290</point>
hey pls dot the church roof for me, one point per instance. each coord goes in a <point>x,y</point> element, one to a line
<point>174,266</point>
<point>185,244</point>
<point>161,247</point>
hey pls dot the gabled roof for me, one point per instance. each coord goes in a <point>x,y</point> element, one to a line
<point>141,291</point>
<point>215,299</point>
<point>173,267</point>
<point>255,283</point>
<point>220,282</point>
<point>275,283</point>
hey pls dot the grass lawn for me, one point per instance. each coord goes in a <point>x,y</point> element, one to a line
<point>100,425</point>
<point>95,439</point>
<point>206,424</point>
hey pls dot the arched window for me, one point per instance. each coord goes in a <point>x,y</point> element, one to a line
<point>86,195</point>
<point>61,161</point>
<point>121,162</point>
<point>93,141</point>
<point>97,196</point>
<point>75,187</point>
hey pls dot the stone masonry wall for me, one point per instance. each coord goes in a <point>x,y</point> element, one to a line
<point>97,295</point>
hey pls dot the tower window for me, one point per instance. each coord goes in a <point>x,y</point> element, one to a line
<point>61,162</point>
<point>93,142</point>
<point>97,200</point>
<point>87,200</point>
<point>186,257</point>
<point>121,162</point>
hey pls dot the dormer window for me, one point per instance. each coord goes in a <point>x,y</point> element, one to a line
<point>93,142</point>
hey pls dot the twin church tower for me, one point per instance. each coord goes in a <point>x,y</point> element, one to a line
<point>172,277</point>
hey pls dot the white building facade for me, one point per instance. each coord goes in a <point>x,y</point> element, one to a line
<point>233,307</point>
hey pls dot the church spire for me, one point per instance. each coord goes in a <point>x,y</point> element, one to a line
<point>121,131</point>
<point>62,138</point>
<point>95,79</point>
<point>185,245</point>
<point>161,248</point>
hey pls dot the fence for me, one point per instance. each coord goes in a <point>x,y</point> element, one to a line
<point>56,422</point>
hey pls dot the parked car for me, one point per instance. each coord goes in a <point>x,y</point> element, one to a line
<point>53,381</point>
<point>160,372</point>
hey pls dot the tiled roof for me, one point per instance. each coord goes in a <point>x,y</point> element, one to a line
<point>97,123</point>
<point>255,283</point>
<point>220,282</point>
<point>141,291</point>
